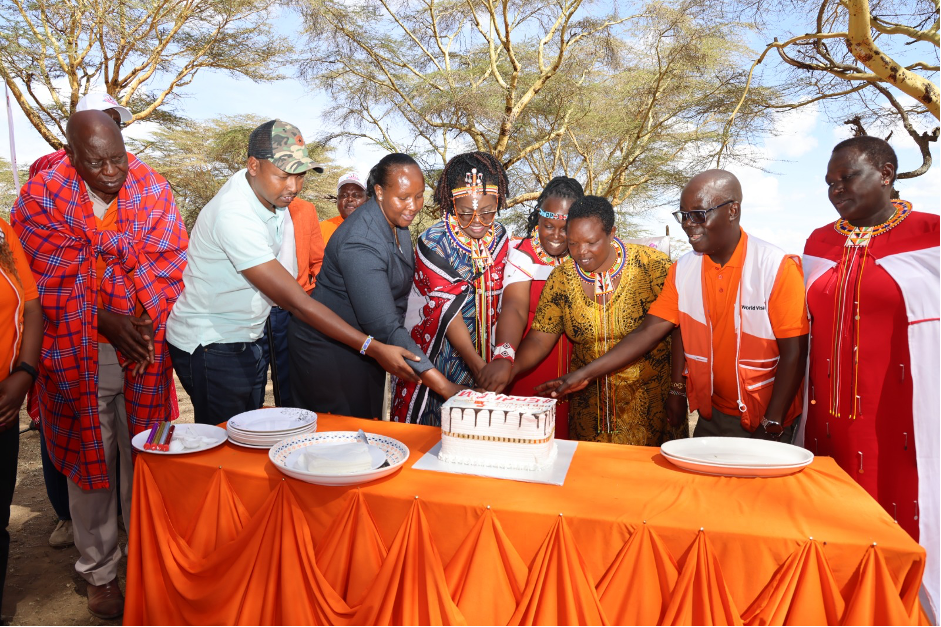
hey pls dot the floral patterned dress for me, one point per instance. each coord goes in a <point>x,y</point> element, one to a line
<point>626,407</point>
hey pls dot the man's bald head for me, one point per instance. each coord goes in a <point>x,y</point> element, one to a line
<point>718,183</point>
<point>92,126</point>
<point>96,150</point>
<point>719,194</point>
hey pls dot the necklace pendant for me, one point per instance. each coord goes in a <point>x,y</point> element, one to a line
<point>480,254</point>
<point>603,284</point>
<point>859,238</point>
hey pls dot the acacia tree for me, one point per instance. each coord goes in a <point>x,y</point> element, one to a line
<point>140,51</point>
<point>8,190</point>
<point>870,66</point>
<point>549,87</point>
<point>197,158</point>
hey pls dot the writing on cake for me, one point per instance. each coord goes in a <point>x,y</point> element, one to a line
<point>487,429</point>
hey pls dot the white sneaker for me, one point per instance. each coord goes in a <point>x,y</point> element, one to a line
<point>62,535</point>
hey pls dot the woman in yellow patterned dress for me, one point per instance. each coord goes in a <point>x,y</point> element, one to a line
<point>596,298</point>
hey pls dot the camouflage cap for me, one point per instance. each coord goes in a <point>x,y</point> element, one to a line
<point>281,143</point>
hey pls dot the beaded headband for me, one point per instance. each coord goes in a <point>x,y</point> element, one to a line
<point>553,216</point>
<point>474,187</point>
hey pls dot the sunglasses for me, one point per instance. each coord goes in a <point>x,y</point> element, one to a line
<point>486,218</point>
<point>697,216</point>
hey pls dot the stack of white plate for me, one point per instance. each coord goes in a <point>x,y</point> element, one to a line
<point>263,428</point>
<point>736,457</point>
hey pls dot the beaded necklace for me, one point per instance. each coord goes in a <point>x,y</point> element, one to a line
<point>606,328</point>
<point>855,250</point>
<point>542,255</point>
<point>481,253</point>
<point>860,235</point>
<point>479,250</point>
<point>604,281</point>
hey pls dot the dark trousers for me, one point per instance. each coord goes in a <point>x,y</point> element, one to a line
<point>275,340</point>
<point>57,484</point>
<point>222,380</point>
<point>9,452</point>
<point>728,426</point>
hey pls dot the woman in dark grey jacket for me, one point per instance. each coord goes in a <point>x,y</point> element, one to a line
<point>365,279</point>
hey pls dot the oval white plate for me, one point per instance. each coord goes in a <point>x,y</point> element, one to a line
<point>743,452</point>
<point>207,431</point>
<point>273,420</point>
<point>734,471</point>
<point>394,451</point>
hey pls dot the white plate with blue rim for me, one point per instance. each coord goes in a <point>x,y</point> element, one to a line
<point>382,449</point>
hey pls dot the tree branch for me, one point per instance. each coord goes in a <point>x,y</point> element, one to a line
<point>862,47</point>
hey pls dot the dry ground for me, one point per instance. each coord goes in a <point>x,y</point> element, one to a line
<point>42,587</point>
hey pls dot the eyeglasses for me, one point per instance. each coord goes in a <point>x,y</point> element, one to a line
<point>486,218</point>
<point>697,216</point>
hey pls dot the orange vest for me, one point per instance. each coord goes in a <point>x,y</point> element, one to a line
<point>756,350</point>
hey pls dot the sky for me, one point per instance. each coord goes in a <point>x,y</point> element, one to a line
<point>785,197</point>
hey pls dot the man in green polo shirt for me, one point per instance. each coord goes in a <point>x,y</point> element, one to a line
<point>233,277</point>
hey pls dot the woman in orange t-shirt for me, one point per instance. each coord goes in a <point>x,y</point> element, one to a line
<point>20,339</point>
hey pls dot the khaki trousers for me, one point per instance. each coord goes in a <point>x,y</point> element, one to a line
<point>95,512</point>
<point>727,426</point>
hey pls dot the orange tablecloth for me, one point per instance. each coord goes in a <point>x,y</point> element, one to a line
<point>222,537</point>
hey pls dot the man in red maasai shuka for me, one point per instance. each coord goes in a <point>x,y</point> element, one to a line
<point>107,248</point>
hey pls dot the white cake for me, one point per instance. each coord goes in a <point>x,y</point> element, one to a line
<point>487,429</point>
<point>336,459</point>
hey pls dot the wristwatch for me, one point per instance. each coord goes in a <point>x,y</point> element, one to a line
<point>25,367</point>
<point>772,426</point>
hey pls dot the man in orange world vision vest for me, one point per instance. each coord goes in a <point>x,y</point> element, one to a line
<point>739,305</point>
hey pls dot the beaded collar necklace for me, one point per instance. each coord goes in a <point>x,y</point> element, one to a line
<point>860,235</point>
<point>479,250</point>
<point>604,281</point>
<point>542,255</point>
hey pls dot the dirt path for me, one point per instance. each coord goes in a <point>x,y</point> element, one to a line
<point>42,587</point>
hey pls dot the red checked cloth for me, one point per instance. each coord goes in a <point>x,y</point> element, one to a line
<point>145,258</point>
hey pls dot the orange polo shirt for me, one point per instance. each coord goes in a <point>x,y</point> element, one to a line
<point>13,296</point>
<point>308,242</point>
<point>787,309</point>
<point>108,222</point>
<point>327,227</point>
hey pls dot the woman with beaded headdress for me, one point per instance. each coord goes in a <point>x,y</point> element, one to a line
<point>872,290</point>
<point>459,264</point>
<point>529,263</point>
<point>595,298</point>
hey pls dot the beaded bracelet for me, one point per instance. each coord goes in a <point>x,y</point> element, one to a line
<point>677,393</point>
<point>362,351</point>
<point>505,351</point>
